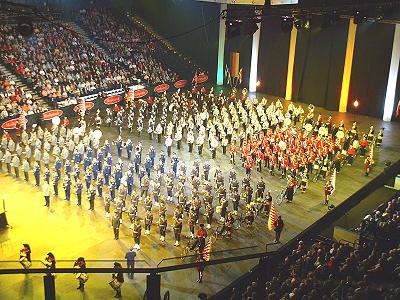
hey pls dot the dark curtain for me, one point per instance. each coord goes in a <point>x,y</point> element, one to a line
<point>273,57</point>
<point>371,63</point>
<point>319,62</point>
<point>241,44</point>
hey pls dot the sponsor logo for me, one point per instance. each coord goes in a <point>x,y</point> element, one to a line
<point>112,99</point>
<point>48,115</point>
<point>140,93</point>
<point>201,78</point>
<point>161,88</point>
<point>10,124</point>
<point>180,83</point>
<point>88,105</point>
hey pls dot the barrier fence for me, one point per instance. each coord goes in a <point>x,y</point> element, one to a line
<point>96,101</point>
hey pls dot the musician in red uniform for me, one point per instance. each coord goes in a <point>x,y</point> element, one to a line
<point>201,235</point>
<point>289,193</point>
<point>351,153</point>
<point>259,158</point>
<point>232,151</point>
<point>368,163</point>
<point>328,191</point>
<point>272,163</point>
<point>65,122</point>
<point>363,146</point>
<point>249,164</point>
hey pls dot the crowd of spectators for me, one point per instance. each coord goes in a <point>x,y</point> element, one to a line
<point>14,100</point>
<point>128,44</point>
<point>329,270</point>
<point>58,63</point>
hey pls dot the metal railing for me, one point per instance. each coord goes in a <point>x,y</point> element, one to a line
<point>196,255</point>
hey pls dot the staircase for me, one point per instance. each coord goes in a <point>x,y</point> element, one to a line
<point>86,38</point>
<point>171,57</point>
<point>35,97</point>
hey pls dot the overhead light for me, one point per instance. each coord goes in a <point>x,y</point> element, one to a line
<point>379,15</point>
<point>298,23</point>
<point>233,28</point>
<point>307,23</point>
<point>251,27</point>
<point>359,17</point>
<point>286,23</point>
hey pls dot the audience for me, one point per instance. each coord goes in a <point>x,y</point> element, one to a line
<point>14,100</point>
<point>327,270</point>
<point>58,63</point>
<point>130,45</point>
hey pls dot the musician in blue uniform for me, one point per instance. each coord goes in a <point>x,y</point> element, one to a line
<point>92,195</point>
<point>118,176</point>
<point>36,173</point>
<point>139,148</point>
<point>86,163</point>
<point>77,157</point>
<point>46,175</point>
<point>162,162</point>
<point>68,168</point>
<point>95,169</point>
<point>57,166</point>
<point>107,174</point>
<point>89,154</point>
<point>175,162</point>
<point>67,188</point>
<point>77,173</point>
<point>100,183</point>
<point>88,179</point>
<point>78,190</point>
<point>109,159</point>
<point>118,143</point>
<point>147,165</point>
<point>107,148</point>
<point>56,180</point>
<point>100,158</point>
<point>129,148</point>
<point>137,161</point>
<point>129,182</point>
<point>152,154</point>
<point>111,188</point>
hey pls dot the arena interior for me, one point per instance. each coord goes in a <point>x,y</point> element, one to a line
<point>200,149</point>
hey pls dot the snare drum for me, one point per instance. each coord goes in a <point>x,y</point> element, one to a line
<point>115,284</point>
<point>82,277</point>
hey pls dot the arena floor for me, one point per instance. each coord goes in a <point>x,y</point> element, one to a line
<point>70,231</point>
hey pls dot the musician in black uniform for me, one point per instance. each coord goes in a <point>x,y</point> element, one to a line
<point>177,225</point>
<point>115,221</point>
<point>137,232</point>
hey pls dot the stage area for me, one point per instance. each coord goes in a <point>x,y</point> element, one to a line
<point>70,231</point>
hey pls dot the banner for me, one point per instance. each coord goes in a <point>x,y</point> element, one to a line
<point>99,101</point>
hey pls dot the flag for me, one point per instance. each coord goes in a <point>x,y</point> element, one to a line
<point>272,216</point>
<point>371,152</point>
<point>240,75</point>
<point>194,80</point>
<point>235,64</point>
<point>332,180</point>
<point>207,251</point>
<point>227,75</point>
<point>398,110</point>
